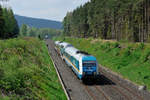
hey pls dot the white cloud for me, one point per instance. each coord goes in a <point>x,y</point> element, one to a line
<point>49,9</point>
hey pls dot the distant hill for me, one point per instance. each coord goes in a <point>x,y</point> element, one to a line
<point>37,22</point>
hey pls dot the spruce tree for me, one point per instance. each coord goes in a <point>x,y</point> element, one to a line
<point>11,28</point>
<point>1,23</point>
<point>110,19</point>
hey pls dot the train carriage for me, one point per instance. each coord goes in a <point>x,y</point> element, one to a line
<point>61,46</point>
<point>83,64</point>
<point>58,46</point>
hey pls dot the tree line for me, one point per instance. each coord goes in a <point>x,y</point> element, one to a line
<point>8,24</point>
<point>110,19</point>
<point>25,30</point>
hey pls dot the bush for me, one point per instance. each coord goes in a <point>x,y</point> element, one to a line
<point>24,71</point>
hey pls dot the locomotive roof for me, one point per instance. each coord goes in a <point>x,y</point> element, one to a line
<point>71,50</point>
<point>75,53</point>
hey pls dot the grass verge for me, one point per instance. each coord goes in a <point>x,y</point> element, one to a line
<point>27,72</point>
<point>131,60</point>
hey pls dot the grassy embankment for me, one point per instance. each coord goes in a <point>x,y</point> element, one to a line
<point>131,60</point>
<point>27,72</point>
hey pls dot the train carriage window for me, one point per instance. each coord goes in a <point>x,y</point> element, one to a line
<point>77,63</point>
<point>71,58</point>
<point>74,62</point>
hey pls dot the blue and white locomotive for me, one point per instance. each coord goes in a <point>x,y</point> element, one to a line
<point>83,64</point>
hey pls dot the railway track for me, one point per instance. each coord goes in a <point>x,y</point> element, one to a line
<point>105,88</point>
<point>138,97</point>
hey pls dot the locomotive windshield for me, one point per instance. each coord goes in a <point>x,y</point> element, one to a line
<point>89,63</point>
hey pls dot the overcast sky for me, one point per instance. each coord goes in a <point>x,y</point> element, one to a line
<point>48,9</point>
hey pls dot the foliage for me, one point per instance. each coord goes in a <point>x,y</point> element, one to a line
<point>9,24</point>
<point>131,60</point>
<point>23,30</point>
<point>50,32</point>
<point>35,32</point>
<point>110,19</point>
<point>27,72</point>
<point>1,22</point>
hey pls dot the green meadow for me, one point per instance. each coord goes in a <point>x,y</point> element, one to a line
<point>27,72</point>
<point>131,60</point>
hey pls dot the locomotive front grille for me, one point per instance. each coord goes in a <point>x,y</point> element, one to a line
<point>89,70</point>
<point>89,67</point>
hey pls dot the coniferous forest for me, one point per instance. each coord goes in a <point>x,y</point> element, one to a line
<point>127,20</point>
<point>8,24</point>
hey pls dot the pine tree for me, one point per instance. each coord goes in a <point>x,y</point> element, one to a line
<point>110,19</point>
<point>1,23</point>
<point>11,28</point>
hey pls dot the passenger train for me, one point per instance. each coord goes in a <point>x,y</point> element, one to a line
<point>83,64</point>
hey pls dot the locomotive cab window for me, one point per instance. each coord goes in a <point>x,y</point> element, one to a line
<point>89,64</point>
